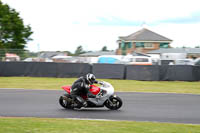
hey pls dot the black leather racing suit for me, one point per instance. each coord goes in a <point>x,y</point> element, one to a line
<point>81,87</point>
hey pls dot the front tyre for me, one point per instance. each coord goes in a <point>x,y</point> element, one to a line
<point>113,103</point>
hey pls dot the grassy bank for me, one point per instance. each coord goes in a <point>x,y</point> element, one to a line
<point>120,85</point>
<point>47,125</point>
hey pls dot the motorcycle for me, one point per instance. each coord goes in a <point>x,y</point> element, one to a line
<point>104,97</point>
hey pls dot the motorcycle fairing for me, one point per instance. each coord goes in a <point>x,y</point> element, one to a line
<point>67,88</point>
<point>98,102</point>
<point>94,89</point>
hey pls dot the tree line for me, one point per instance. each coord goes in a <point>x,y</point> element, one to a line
<point>14,34</point>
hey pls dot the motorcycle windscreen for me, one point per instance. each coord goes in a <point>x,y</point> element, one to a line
<point>67,88</point>
<point>94,89</point>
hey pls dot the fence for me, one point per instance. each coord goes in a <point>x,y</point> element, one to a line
<point>107,71</point>
<point>15,54</point>
<point>44,69</point>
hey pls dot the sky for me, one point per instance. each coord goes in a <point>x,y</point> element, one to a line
<point>63,25</point>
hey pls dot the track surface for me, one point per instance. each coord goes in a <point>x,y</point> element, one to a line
<point>178,108</point>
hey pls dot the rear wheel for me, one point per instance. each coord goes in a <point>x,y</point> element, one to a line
<point>113,103</point>
<point>64,102</point>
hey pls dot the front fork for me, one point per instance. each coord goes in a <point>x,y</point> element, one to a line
<point>110,98</point>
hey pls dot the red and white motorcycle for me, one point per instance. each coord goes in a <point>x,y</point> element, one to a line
<point>104,97</point>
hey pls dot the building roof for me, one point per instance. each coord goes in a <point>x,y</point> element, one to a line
<point>98,53</point>
<point>49,54</point>
<point>145,35</point>
<point>176,50</point>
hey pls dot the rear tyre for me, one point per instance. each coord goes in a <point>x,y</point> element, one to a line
<point>63,102</point>
<point>113,103</point>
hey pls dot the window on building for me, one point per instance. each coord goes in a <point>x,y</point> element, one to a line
<point>164,45</point>
<point>128,44</point>
<point>122,45</point>
<point>119,45</point>
<point>148,45</point>
<point>139,44</point>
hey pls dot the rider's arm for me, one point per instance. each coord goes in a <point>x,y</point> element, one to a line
<point>84,85</point>
<point>98,82</point>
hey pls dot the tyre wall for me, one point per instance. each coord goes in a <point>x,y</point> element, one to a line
<point>109,71</point>
<point>106,71</point>
<point>149,73</point>
<point>44,69</point>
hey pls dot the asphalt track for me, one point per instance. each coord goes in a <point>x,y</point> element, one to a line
<point>177,108</point>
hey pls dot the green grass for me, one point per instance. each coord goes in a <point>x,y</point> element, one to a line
<point>119,85</point>
<point>49,125</point>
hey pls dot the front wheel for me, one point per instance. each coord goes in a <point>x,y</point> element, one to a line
<point>113,103</point>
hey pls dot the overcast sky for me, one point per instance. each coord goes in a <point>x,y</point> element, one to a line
<point>66,24</point>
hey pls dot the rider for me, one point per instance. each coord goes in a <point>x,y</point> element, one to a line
<point>82,86</point>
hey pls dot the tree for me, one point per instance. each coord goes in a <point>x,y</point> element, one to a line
<point>69,53</point>
<point>79,50</point>
<point>104,48</point>
<point>13,33</point>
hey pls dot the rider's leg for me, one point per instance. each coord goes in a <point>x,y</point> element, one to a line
<point>78,100</point>
<point>81,101</point>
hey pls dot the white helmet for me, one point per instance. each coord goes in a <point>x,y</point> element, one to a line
<point>90,78</point>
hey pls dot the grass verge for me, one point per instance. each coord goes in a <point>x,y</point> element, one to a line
<point>119,85</point>
<point>52,125</point>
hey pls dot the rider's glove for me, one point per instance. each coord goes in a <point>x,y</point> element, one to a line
<point>100,82</point>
